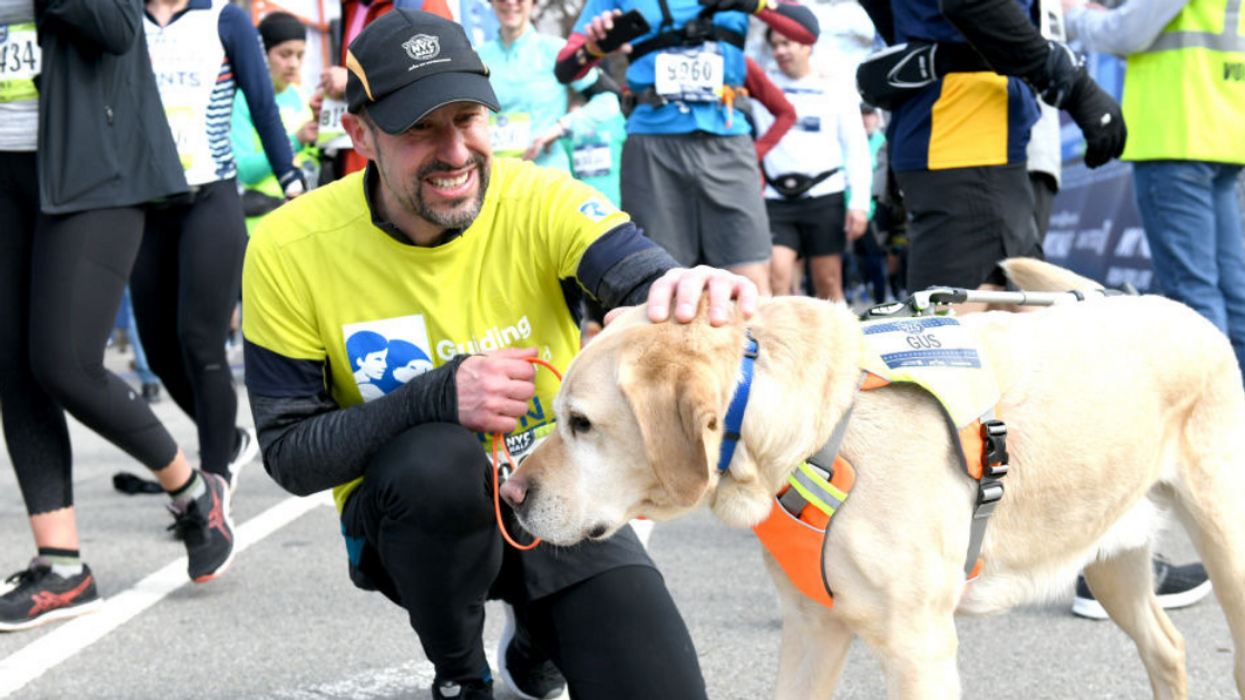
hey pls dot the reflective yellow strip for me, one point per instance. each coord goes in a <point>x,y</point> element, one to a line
<point>969,122</point>
<point>806,481</point>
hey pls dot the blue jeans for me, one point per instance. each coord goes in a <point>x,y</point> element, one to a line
<point>145,375</point>
<point>1193,225</point>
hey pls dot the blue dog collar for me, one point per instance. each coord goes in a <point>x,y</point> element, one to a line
<point>739,402</point>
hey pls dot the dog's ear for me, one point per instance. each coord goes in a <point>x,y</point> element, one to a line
<point>677,410</point>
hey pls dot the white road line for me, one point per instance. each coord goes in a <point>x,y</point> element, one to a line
<point>73,636</point>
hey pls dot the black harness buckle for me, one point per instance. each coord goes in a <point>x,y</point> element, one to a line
<point>698,30</point>
<point>994,451</point>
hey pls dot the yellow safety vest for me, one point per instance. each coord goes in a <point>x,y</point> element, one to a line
<point>1184,96</point>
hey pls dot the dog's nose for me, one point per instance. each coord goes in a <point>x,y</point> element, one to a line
<point>514,490</point>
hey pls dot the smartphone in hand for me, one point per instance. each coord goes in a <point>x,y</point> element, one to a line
<point>627,26</point>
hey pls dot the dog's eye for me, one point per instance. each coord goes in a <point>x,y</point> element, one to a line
<point>579,424</point>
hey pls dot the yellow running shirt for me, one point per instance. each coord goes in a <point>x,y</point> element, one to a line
<point>323,283</point>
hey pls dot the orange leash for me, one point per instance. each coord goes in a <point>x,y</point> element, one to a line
<point>497,440</point>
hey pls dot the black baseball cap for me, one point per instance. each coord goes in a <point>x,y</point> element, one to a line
<point>408,63</point>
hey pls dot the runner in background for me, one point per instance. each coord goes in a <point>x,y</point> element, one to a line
<point>285,41</point>
<point>807,173</point>
<point>689,174</point>
<point>534,117</point>
<point>83,144</point>
<point>188,275</point>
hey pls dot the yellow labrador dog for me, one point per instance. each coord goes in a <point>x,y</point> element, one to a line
<point>1118,410</point>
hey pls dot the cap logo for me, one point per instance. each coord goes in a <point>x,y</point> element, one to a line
<point>422,47</point>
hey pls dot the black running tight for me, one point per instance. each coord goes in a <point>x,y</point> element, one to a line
<point>185,286</point>
<point>61,281</point>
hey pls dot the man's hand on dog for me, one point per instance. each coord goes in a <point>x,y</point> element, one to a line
<point>494,388</point>
<point>685,287</point>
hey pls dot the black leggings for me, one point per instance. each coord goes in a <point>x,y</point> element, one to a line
<point>61,281</point>
<point>425,512</point>
<point>185,286</point>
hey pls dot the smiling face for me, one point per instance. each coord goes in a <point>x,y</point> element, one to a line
<point>285,63</point>
<point>514,15</point>
<point>433,175</point>
<point>794,60</point>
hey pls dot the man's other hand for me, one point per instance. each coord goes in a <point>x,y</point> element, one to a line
<point>494,388</point>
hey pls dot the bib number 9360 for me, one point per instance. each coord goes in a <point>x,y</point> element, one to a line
<point>690,75</point>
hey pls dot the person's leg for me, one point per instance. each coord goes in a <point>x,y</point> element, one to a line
<point>213,242</point>
<point>730,209</point>
<point>154,286</point>
<point>35,431</point>
<point>953,237</point>
<point>424,517</point>
<point>1230,244</point>
<point>824,241</point>
<point>1044,190</point>
<point>827,276</point>
<point>645,652</point>
<point>653,192</point>
<point>1176,201</point>
<point>79,268</point>
<point>782,270</point>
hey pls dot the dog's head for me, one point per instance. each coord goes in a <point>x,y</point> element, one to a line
<point>640,421</point>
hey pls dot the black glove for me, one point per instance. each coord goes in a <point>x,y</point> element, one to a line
<point>749,7</point>
<point>293,183</point>
<point>1065,84</point>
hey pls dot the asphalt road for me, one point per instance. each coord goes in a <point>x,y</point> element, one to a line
<point>285,623</point>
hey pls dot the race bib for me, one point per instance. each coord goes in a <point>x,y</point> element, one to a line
<point>20,60</point>
<point>592,160</point>
<point>510,133</point>
<point>186,131</point>
<point>331,112</point>
<point>692,74</point>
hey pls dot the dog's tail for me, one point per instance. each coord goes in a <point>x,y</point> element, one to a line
<point>1033,275</point>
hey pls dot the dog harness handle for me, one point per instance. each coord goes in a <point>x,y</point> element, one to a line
<point>499,440</point>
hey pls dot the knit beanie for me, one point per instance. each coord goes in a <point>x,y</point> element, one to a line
<point>277,27</point>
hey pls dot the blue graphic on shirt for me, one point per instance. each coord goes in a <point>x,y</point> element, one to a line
<point>381,365</point>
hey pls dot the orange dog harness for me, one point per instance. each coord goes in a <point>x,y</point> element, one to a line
<point>920,351</point>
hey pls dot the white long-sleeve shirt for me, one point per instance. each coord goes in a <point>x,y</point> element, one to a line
<point>1127,29</point>
<point>828,133</point>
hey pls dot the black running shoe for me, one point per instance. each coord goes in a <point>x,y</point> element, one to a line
<point>528,671</point>
<point>1175,587</point>
<point>40,596</point>
<point>204,526</point>
<point>467,690</point>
